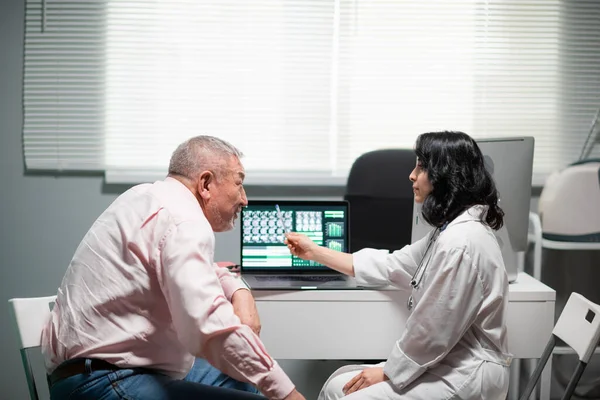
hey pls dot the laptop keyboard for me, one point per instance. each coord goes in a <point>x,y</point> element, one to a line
<point>300,278</point>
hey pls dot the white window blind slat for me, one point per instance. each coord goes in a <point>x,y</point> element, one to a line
<point>303,87</point>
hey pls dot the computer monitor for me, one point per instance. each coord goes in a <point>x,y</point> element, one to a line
<point>510,162</point>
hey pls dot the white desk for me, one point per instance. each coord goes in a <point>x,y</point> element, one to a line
<point>364,324</point>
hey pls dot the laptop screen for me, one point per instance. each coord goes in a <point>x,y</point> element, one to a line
<point>262,233</point>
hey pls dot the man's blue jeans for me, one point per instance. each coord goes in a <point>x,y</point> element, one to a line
<point>203,382</point>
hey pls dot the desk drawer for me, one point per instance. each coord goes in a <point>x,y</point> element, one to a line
<point>333,330</point>
<point>530,324</point>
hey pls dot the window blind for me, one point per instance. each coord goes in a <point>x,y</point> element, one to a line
<point>302,87</point>
<point>64,85</point>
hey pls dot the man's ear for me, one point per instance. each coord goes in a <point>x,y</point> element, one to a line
<point>205,182</point>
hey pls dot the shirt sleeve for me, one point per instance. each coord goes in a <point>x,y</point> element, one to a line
<point>229,282</point>
<point>453,294</point>
<point>380,267</point>
<point>204,318</point>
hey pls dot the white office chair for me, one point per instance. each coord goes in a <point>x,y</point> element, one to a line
<point>30,314</point>
<point>579,327</point>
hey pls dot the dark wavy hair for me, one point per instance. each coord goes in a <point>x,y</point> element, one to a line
<point>456,170</point>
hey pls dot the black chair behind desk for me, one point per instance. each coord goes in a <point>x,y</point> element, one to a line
<point>381,199</point>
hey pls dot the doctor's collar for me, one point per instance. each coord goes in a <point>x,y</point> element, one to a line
<point>473,213</point>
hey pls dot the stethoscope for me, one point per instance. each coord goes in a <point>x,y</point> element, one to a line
<point>418,275</point>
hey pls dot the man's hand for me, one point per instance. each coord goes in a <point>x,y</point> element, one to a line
<point>295,395</point>
<point>368,377</point>
<point>245,308</point>
<point>232,267</point>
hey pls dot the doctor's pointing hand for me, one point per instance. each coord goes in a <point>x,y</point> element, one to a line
<point>302,246</point>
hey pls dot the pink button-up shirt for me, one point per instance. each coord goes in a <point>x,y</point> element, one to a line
<point>142,290</point>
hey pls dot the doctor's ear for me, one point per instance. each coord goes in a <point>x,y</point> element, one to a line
<point>205,184</point>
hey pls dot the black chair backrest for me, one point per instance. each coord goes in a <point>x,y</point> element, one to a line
<point>381,199</point>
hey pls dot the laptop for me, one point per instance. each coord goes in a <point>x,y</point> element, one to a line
<point>266,262</point>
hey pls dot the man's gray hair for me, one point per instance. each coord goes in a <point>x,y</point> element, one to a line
<point>201,153</point>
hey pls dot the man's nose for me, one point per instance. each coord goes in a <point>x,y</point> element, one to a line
<point>244,197</point>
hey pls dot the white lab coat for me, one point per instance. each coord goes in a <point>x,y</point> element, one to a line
<point>455,342</point>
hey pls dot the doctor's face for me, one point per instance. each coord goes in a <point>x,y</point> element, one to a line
<point>421,185</point>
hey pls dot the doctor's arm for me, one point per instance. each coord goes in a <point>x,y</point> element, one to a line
<point>370,266</point>
<point>380,267</point>
<point>447,309</point>
<point>302,246</point>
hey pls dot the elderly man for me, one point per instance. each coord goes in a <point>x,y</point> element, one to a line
<point>142,297</point>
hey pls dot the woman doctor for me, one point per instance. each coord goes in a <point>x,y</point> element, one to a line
<point>454,345</point>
